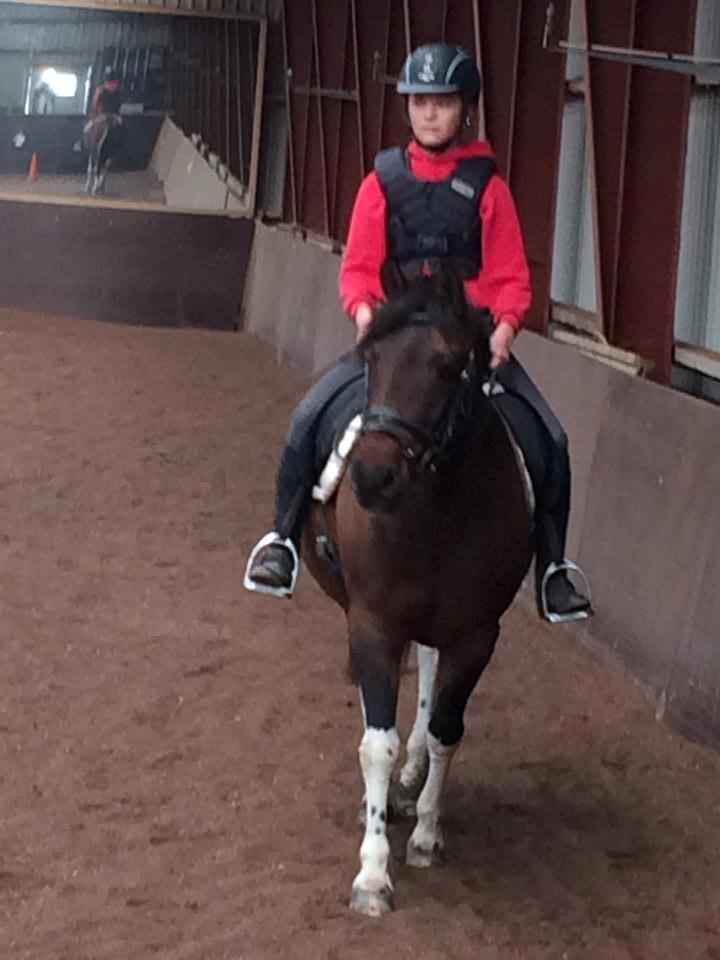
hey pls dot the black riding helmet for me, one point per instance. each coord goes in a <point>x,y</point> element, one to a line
<point>109,73</point>
<point>441,68</point>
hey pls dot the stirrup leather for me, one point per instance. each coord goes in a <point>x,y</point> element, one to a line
<point>261,587</point>
<point>552,569</point>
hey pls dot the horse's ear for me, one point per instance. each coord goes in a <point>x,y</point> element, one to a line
<point>394,281</point>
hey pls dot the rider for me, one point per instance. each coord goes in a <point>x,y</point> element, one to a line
<point>107,98</point>
<point>467,219</point>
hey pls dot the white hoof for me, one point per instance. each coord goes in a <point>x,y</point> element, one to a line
<point>404,798</point>
<point>372,903</point>
<point>422,859</point>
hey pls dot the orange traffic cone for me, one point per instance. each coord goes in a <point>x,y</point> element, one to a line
<point>34,168</point>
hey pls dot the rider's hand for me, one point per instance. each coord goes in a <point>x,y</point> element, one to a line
<point>363,320</point>
<point>500,343</point>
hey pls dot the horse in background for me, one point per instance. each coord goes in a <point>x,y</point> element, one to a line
<point>102,143</point>
<point>431,529</point>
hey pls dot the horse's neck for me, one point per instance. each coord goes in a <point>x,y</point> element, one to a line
<point>462,479</point>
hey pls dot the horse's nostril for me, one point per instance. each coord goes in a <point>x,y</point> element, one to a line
<point>385,478</point>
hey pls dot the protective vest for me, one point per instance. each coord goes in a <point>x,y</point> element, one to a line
<point>109,101</point>
<point>434,223</point>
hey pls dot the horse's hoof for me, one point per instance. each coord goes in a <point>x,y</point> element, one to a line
<point>404,799</point>
<point>422,859</point>
<point>370,903</point>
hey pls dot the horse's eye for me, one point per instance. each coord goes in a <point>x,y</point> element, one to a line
<point>450,372</point>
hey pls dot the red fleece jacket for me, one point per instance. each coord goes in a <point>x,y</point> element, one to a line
<point>503,283</point>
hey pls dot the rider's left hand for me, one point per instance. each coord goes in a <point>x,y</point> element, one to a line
<point>500,343</point>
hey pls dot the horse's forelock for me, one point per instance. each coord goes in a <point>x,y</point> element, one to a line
<point>425,296</point>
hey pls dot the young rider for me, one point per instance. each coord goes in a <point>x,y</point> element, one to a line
<point>439,202</point>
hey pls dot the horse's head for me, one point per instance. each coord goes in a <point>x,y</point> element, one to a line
<point>425,354</point>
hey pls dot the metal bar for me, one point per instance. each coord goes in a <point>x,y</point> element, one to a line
<point>349,95</point>
<point>190,77</point>
<point>136,75</point>
<point>609,114</point>
<point>226,156</point>
<point>238,82</point>
<point>291,135</point>
<point>482,132</point>
<point>381,117</point>
<point>207,77</point>
<point>257,116</point>
<point>302,180</point>
<point>116,6</point>
<point>408,33</point>
<point>146,68</point>
<point>514,87</point>
<point>217,85</point>
<point>321,122</point>
<point>591,167</point>
<point>198,51</point>
<point>116,58</point>
<point>356,55</point>
<point>633,56</point>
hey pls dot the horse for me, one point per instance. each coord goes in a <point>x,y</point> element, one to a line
<point>431,534</point>
<point>102,143</point>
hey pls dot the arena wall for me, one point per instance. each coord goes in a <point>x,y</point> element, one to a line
<point>646,468</point>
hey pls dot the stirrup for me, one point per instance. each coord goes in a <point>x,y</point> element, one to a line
<point>263,588</point>
<point>552,569</point>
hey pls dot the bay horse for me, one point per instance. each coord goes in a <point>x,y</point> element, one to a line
<point>432,528</point>
<point>101,141</point>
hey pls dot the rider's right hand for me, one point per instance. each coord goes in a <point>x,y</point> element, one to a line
<point>363,321</point>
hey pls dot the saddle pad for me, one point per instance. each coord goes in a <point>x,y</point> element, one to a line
<point>332,472</point>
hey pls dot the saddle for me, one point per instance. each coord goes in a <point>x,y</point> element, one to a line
<point>338,429</point>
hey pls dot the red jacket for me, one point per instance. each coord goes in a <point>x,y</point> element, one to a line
<point>503,283</point>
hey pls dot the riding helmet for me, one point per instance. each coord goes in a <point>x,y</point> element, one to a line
<point>440,68</point>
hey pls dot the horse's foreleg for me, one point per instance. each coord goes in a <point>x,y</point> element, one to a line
<point>460,666</point>
<point>414,770</point>
<point>102,177</point>
<point>90,175</point>
<point>377,675</point>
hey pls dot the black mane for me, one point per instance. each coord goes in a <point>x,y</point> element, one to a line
<point>430,298</point>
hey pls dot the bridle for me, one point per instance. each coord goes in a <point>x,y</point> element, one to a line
<point>423,448</point>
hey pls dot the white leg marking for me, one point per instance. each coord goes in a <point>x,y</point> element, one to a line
<point>372,887</point>
<point>412,775</point>
<point>427,836</point>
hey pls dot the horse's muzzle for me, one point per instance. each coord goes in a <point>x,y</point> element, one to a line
<point>378,487</point>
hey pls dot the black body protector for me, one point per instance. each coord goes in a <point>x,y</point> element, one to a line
<point>434,223</point>
<point>110,101</point>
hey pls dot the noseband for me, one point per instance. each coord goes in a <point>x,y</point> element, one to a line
<point>422,448</point>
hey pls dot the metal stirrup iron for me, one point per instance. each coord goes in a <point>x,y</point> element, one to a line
<point>266,541</point>
<point>564,566</point>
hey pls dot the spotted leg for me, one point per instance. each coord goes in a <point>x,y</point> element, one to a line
<point>460,667</point>
<point>376,669</point>
<point>414,770</point>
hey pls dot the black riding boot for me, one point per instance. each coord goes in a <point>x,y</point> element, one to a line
<point>275,561</point>
<point>557,599</point>
<point>549,465</point>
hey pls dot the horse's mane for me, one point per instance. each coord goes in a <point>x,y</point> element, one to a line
<point>439,302</point>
